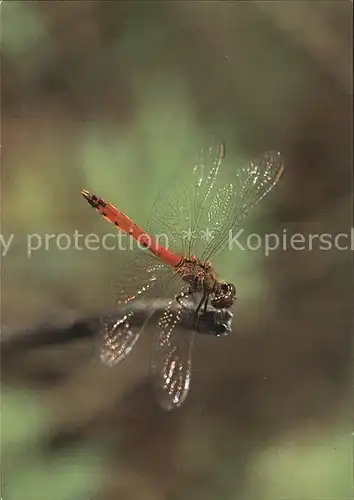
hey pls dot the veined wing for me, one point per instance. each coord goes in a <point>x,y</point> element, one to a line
<point>196,211</point>
<point>232,202</point>
<point>171,358</point>
<point>141,277</point>
<point>180,208</point>
<point>172,344</point>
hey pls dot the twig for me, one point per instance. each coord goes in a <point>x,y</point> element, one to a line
<point>213,322</point>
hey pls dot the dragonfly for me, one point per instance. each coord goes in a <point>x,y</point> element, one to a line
<point>194,214</point>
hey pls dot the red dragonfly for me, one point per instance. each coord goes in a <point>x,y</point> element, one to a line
<point>195,214</point>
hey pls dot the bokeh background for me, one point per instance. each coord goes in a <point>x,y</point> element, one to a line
<point>112,97</point>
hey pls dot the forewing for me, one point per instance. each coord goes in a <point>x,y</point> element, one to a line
<point>171,360</point>
<point>232,201</point>
<point>181,207</point>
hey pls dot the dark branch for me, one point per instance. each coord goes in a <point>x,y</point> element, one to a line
<point>212,322</point>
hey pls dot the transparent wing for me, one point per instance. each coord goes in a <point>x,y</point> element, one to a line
<point>141,277</point>
<point>171,359</point>
<point>180,208</point>
<point>232,201</point>
<point>196,211</point>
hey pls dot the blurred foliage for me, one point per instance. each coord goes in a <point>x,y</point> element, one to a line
<point>24,32</point>
<point>301,469</point>
<point>27,472</point>
<point>113,97</point>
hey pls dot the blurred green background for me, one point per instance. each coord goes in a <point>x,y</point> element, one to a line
<point>112,97</point>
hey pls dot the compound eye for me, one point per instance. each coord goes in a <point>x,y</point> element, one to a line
<point>228,289</point>
<point>225,296</point>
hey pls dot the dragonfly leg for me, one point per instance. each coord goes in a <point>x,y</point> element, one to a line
<point>206,304</point>
<point>204,300</point>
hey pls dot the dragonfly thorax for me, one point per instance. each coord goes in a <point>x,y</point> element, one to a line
<point>202,278</point>
<point>199,275</point>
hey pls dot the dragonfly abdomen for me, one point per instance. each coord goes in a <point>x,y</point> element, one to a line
<point>121,221</point>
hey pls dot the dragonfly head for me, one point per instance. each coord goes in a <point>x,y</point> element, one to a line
<point>224,296</point>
